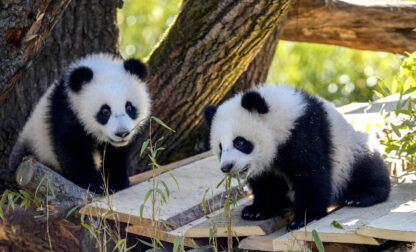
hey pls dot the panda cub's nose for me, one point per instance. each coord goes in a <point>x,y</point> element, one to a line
<point>227,167</point>
<point>122,133</point>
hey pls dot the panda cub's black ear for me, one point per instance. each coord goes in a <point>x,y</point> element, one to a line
<point>136,67</point>
<point>79,76</point>
<point>209,112</point>
<point>253,101</point>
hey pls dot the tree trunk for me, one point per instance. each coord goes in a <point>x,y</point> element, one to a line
<point>86,26</point>
<point>208,47</point>
<point>255,73</point>
<point>380,25</point>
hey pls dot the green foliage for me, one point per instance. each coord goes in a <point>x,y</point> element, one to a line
<point>158,197</point>
<point>338,74</point>
<point>400,137</point>
<point>142,24</point>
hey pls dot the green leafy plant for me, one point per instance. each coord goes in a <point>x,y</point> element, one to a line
<point>400,136</point>
<point>230,202</point>
<point>159,193</point>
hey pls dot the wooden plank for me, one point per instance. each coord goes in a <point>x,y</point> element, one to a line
<point>240,227</point>
<point>193,180</point>
<point>138,178</point>
<point>279,240</point>
<point>394,226</point>
<point>394,219</point>
<point>351,218</point>
<point>163,235</point>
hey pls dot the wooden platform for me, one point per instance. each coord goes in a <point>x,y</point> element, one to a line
<point>394,219</point>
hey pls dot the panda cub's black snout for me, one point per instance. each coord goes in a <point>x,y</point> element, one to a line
<point>227,168</point>
<point>122,133</point>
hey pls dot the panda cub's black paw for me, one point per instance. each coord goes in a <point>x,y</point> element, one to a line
<point>253,212</point>
<point>298,223</point>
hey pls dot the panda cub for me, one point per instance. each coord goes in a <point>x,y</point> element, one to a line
<point>288,142</point>
<point>97,106</point>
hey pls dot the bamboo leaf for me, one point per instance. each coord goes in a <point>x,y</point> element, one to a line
<point>147,195</point>
<point>161,194</point>
<point>162,123</point>
<point>318,241</point>
<point>141,210</point>
<point>144,146</point>
<point>40,183</point>
<point>146,243</point>
<point>166,188</point>
<point>237,175</point>
<point>118,244</point>
<point>51,188</point>
<point>222,181</point>
<point>174,179</point>
<point>71,211</point>
<point>336,224</point>
<point>395,130</point>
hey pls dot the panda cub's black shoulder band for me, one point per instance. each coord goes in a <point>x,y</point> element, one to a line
<point>253,101</point>
<point>136,67</point>
<point>80,76</point>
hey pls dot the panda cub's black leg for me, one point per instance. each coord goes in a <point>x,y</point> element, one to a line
<point>270,197</point>
<point>370,182</point>
<point>312,198</point>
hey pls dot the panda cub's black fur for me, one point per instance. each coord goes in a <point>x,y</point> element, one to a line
<point>94,109</point>
<point>288,141</point>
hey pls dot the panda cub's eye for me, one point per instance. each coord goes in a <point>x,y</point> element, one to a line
<point>131,110</point>
<point>105,110</point>
<point>241,144</point>
<point>103,114</point>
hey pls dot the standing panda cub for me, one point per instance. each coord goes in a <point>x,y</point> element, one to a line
<point>289,142</point>
<point>96,107</point>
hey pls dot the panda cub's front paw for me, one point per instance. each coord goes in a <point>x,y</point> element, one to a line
<point>299,223</point>
<point>253,212</point>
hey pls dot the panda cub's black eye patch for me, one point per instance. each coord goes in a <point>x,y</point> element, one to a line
<point>103,114</point>
<point>131,110</point>
<point>243,145</point>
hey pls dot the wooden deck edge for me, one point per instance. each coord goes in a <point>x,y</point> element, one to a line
<point>256,243</point>
<point>334,237</point>
<point>163,235</point>
<point>203,232</point>
<point>387,234</point>
<point>135,179</point>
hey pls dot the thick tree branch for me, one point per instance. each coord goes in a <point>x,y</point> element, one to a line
<point>381,25</point>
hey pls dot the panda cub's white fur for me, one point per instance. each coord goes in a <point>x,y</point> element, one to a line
<point>101,101</point>
<point>282,137</point>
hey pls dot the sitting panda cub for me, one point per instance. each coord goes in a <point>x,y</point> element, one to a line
<point>95,107</point>
<point>286,140</point>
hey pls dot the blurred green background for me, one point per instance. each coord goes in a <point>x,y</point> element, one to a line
<point>336,73</point>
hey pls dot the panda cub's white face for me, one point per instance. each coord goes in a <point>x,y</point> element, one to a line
<point>239,136</point>
<point>114,101</point>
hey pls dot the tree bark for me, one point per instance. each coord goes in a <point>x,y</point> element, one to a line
<point>24,25</point>
<point>380,25</point>
<point>255,73</point>
<point>86,26</point>
<point>208,47</point>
